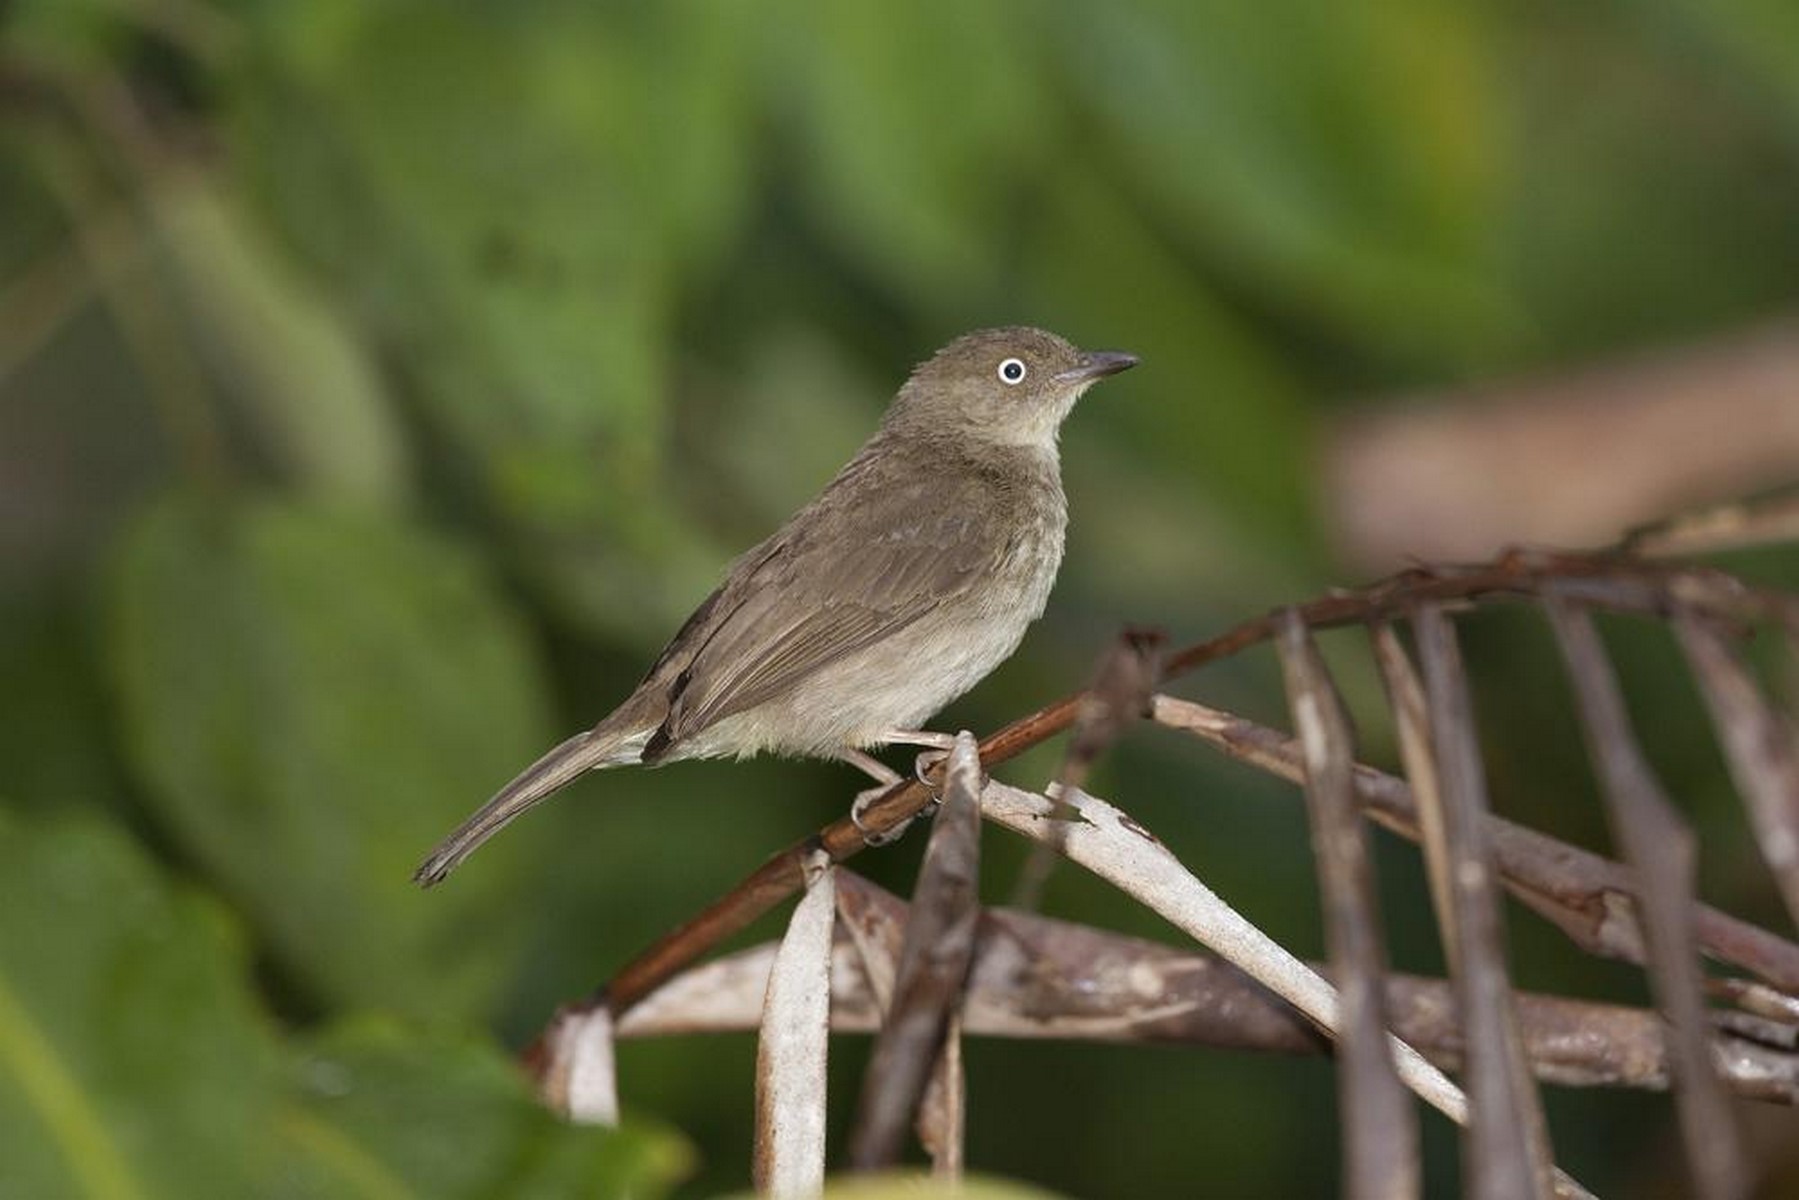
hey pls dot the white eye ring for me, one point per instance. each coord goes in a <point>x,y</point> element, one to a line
<point>1012,371</point>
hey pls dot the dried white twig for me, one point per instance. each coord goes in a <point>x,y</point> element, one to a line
<point>933,968</point>
<point>1115,847</point>
<point>582,1083</point>
<point>794,1044</point>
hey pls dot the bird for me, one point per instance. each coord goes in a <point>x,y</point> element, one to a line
<point>910,577</point>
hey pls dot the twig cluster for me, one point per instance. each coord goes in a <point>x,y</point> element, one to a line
<point>924,975</point>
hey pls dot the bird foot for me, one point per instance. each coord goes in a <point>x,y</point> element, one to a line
<point>938,749</point>
<point>869,836</point>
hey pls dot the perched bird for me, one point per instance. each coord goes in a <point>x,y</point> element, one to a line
<point>899,587</point>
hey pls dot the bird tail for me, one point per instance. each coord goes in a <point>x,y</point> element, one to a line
<point>584,752</point>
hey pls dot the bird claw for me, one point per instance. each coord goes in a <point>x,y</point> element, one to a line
<point>925,763</point>
<point>869,836</point>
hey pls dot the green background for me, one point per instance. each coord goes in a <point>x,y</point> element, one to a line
<point>380,383</point>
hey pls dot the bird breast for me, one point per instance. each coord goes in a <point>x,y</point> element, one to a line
<point>906,679</point>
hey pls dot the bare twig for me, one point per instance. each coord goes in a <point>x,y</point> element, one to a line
<point>1038,978</point>
<point>1606,580</point>
<point>791,1051</point>
<point>777,879</point>
<point>1588,897</point>
<point>1508,1139</point>
<point>1758,748</point>
<point>1662,852</point>
<point>939,945</point>
<point>943,1117</point>
<point>1760,521</point>
<point>1620,584</point>
<point>1758,998</point>
<point>1405,695</point>
<point>1120,851</point>
<point>580,1075</point>
<point>1122,685</point>
<point>1592,899</point>
<point>1380,1126</point>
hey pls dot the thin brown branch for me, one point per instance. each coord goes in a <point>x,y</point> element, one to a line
<point>1038,978</point>
<point>771,883</point>
<point>1588,897</point>
<point>1119,695</point>
<point>1605,580</point>
<point>1405,696</point>
<point>1758,998</point>
<point>1508,1139</point>
<point>1662,852</point>
<point>1380,1125</point>
<point>1760,521</point>
<point>1758,748</point>
<point>933,966</point>
<point>1118,849</point>
<point>943,1117</point>
<point>1619,583</point>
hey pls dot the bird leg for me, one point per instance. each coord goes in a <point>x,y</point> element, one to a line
<point>916,737</point>
<point>871,766</point>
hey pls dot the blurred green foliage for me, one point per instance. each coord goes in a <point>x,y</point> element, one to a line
<point>379,383</point>
<point>139,1062</point>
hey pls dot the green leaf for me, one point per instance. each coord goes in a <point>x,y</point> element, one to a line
<point>1342,157</point>
<point>1760,36</point>
<point>1214,396</point>
<point>133,1062</point>
<point>1638,145</point>
<point>919,121</point>
<point>54,738</point>
<point>312,699</point>
<point>68,35</point>
<point>526,181</point>
<point>496,231</point>
<point>136,1065</point>
<point>382,1109</point>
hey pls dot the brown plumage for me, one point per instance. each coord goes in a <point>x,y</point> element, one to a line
<point>911,576</point>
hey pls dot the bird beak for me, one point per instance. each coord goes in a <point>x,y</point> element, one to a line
<point>1097,364</point>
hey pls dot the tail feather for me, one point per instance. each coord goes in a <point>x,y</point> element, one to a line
<point>582,753</point>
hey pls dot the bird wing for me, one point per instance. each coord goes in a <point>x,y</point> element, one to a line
<point>839,579</point>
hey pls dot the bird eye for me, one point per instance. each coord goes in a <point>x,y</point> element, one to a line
<point>1011,371</point>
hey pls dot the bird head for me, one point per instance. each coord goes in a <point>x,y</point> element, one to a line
<point>1010,386</point>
